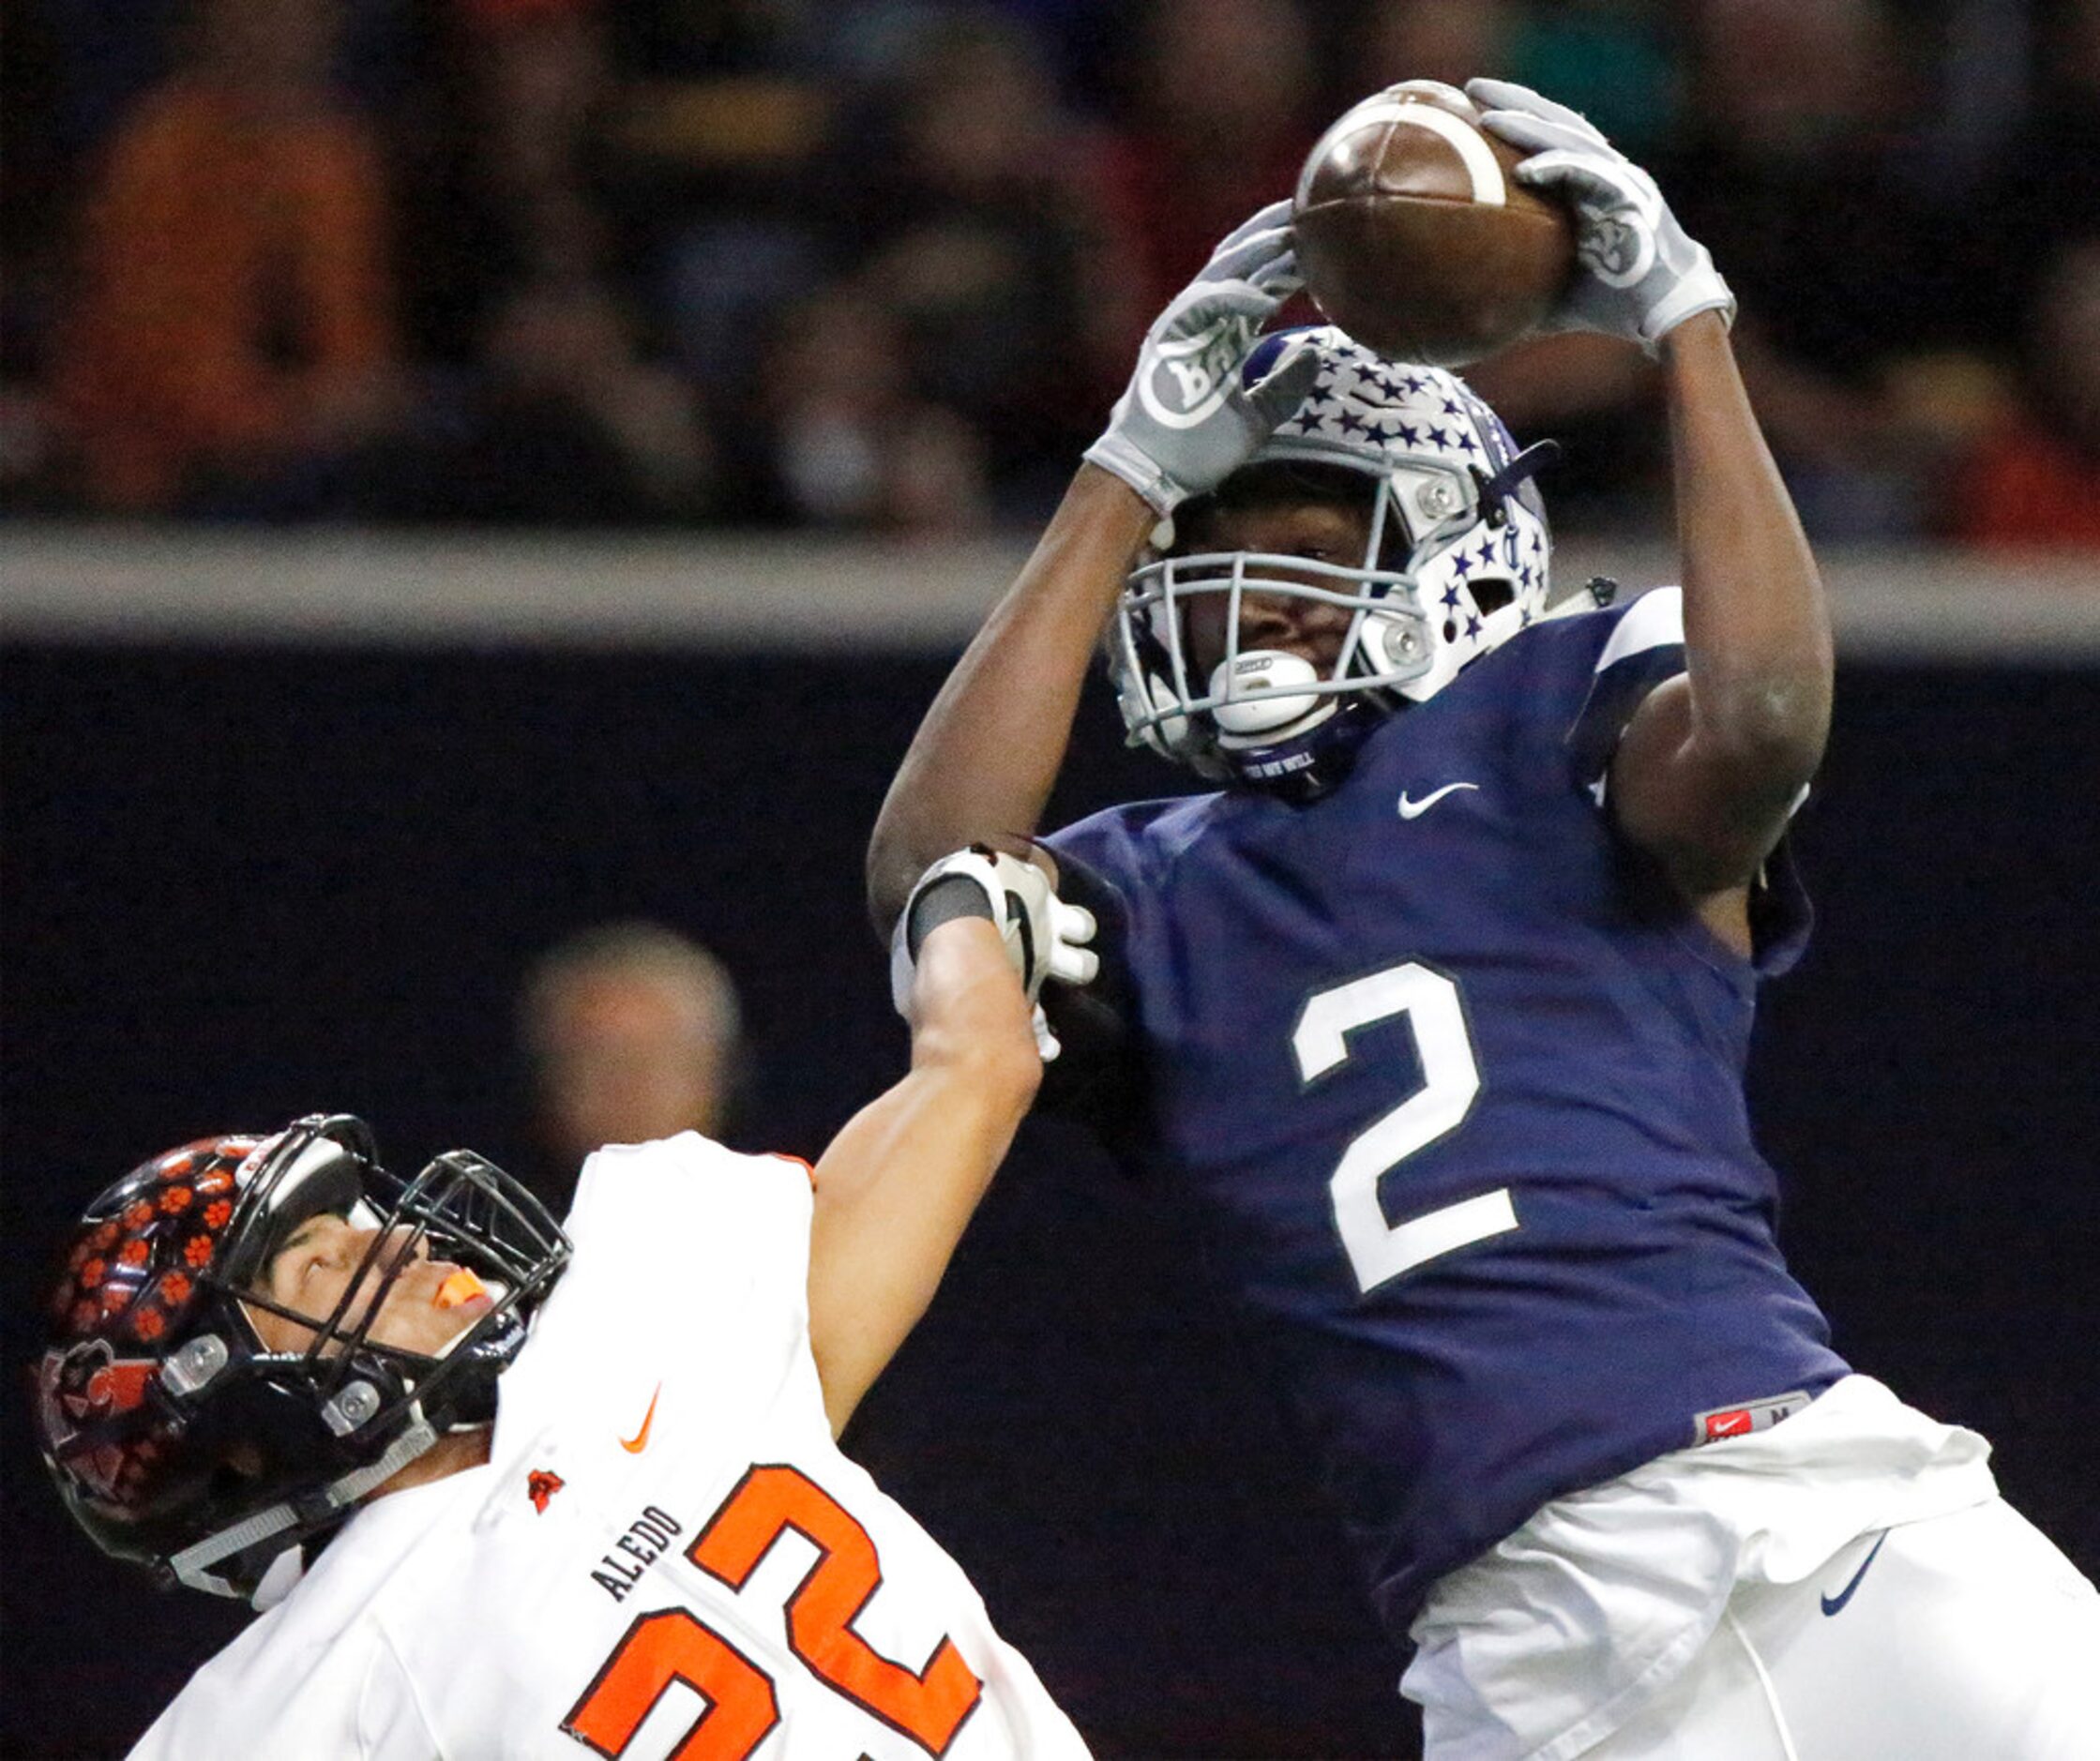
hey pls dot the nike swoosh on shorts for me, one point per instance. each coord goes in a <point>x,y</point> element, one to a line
<point>1832,1604</point>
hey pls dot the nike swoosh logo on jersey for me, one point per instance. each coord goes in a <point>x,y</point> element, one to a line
<point>634,1445</point>
<point>1416,809</point>
<point>1833,1604</point>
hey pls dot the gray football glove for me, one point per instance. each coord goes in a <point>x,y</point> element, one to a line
<point>1044,937</point>
<point>1644,276</point>
<point>1188,419</point>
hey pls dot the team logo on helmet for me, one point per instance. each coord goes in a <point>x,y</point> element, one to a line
<point>135,1274</point>
<point>80,1389</point>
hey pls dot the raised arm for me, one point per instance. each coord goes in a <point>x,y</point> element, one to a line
<point>985,758</point>
<point>900,1183</point>
<point>1712,762</point>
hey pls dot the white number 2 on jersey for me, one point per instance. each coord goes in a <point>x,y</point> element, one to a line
<point>1378,1250</point>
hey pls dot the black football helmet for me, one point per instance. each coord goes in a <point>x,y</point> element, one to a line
<point>176,1438</point>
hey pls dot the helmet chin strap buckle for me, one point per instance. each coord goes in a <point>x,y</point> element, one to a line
<point>1493,492</point>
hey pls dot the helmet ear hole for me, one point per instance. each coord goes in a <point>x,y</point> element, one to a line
<point>1491,596</point>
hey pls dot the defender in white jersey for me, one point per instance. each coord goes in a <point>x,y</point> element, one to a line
<point>592,1490</point>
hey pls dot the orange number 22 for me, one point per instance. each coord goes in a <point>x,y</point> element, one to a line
<point>928,1705</point>
<point>671,1645</point>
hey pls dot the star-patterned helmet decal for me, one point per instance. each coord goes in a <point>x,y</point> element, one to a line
<point>1367,403</point>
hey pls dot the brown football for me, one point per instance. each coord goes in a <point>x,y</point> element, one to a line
<point>1413,237</point>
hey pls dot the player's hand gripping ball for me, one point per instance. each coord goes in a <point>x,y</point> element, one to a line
<point>1414,238</point>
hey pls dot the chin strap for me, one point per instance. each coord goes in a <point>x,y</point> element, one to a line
<point>191,1565</point>
<point>1494,490</point>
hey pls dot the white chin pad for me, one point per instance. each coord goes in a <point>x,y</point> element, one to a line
<point>1260,684</point>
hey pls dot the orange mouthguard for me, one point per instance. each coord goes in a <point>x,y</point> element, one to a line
<point>461,1287</point>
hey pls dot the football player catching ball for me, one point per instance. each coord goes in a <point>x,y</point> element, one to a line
<point>506,1490</point>
<point>1436,1014</point>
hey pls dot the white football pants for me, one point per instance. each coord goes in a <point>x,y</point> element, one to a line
<point>1967,1637</point>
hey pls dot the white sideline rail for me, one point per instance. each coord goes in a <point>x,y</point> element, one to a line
<point>76,583</point>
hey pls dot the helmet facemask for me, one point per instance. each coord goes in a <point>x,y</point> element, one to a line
<point>460,1209</point>
<point>1454,563</point>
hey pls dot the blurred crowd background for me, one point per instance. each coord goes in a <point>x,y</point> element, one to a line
<point>881,265</point>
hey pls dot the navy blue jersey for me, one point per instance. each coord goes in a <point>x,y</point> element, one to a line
<point>1452,1082</point>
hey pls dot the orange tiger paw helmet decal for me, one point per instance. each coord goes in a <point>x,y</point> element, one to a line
<point>129,1281</point>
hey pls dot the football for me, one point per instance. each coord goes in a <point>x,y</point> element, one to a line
<point>1414,238</point>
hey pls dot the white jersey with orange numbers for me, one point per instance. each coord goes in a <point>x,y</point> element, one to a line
<point>666,1554</point>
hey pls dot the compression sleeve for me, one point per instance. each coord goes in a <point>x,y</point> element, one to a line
<point>952,897</point>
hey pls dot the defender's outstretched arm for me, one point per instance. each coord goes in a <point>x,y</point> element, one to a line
<point>900,1183</point>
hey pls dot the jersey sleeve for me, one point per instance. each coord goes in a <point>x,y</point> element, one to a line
<point>388,1717</point>
<point>1644,648</point>
<point>1781,917</point>
<point>690,1270</point>
<point>266,1696</point>
<point>1099,1078</point>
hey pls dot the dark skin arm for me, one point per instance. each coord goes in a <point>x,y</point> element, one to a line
<point>1712,763</point>
<point>982,764</point>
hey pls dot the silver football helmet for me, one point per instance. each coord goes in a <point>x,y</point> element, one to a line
<point>1454,565</point>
